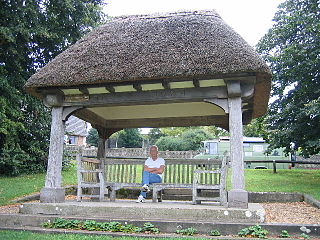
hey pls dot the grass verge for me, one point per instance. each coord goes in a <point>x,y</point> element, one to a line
<point>25,235</point>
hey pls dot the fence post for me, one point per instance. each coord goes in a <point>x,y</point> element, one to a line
<point>274,166</point>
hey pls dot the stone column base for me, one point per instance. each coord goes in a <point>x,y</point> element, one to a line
<point>237,198</point>
<point>52,195</point>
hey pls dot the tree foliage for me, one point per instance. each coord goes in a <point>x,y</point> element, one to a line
<point>171,143</point>
<point>92,137</point>
<point>292,49</point>
<point>31,34</point>
<point>130,138</point>
<point>154,135</point>
<point>256,128</point>
<point>193,138</point>
<point>189,139</point>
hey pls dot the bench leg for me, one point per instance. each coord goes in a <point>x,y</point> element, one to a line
<point>113,195</point>
<point>160,196</point>
<point>223,197</point>
<point>102,188</point>
<point>101,193</point>
<point>79,193</point>
<point>154,195</point>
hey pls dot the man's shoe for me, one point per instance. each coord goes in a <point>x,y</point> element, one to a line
<point>140,199</point>
<point>145,188</point>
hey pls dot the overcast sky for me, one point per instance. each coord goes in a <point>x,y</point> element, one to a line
<point>250,18</point>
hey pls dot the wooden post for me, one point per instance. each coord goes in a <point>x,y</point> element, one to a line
<point>237,197</point>
<point>274,166</point>
<point>104,134</point>
<point>53,192</point>
<point>236,143</point>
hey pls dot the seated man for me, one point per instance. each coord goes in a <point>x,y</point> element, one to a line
<point>152,172</point>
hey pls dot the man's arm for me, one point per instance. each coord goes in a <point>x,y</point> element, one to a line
<point>159,170</point>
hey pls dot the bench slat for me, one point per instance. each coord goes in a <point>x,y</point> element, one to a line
<point>134,173</point>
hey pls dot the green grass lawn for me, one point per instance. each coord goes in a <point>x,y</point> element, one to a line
<point>259,180</point>
<point>25,235</point>
<point>285,180</point>
<point>13,187</point>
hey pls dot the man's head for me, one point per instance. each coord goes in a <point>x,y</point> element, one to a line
<point>154,152</point>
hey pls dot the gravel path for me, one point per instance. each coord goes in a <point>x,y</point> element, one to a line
<point>296,212</point>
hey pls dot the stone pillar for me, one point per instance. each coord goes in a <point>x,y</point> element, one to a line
<point>237,197</point>
<point>53,192</point>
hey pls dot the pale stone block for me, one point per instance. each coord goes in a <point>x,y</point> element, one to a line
<point>52,195</point>
<point>237,198</point>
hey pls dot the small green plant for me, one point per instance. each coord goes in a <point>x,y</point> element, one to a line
<point>253,231</point>
<point>305,236</point>
<point>91,225</point>
<point>215,232</point>
<point>149,228</point>
<point>284,234</point>
<point>188,231</point>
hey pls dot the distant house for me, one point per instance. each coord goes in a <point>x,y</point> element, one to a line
<point>76,131</point>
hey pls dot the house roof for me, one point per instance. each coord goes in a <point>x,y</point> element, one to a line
<point>194,44</point>
<point>76,127</point>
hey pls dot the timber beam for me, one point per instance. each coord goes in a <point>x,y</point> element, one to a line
<point>149,97</point>
<point>219,121</point>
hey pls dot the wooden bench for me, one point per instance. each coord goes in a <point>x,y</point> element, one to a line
<point>196,174</point>
<point>90,174</point>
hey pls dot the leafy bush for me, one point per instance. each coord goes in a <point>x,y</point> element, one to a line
<point>149,228</point>
<point>172,144</point>
<point>188,231</point>
<point>305,236</point>
<point>284,234</point>
<point>14,161</point>
<point>215,232</point>
<point>253,231</point>
<point>193,138</point>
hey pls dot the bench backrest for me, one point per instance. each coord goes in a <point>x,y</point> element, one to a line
<point>129,170</point>
<point>177,171</point>
<point>85,165</point>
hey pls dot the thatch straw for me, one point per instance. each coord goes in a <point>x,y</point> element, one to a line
<point>183,45</point>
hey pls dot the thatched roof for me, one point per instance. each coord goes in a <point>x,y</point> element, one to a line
<point>183,45</point>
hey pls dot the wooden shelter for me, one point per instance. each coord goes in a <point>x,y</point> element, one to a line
<point>161,70</point>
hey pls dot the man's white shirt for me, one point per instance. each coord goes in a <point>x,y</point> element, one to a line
<point>150,163</point>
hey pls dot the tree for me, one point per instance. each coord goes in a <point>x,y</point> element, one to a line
<point>193,138</point>
<point>31,34</point>
<point>93,137</point>
<point>154,135</point>
<point>189,140</point>
<point>130,138</point>
<point>256,128</point>
<point>292,49</point>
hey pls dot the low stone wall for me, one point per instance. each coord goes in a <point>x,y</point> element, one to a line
<point>314,158</point>
<point>130,152</point>
<point>144,152</point>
